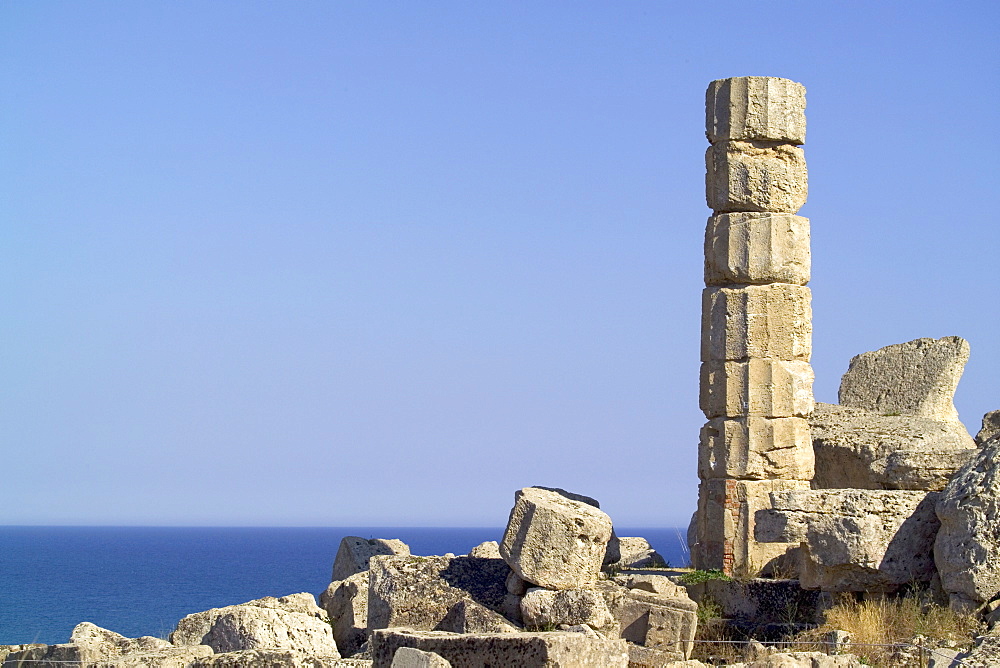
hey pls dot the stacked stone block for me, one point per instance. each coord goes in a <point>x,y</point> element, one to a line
<point>756,381</point>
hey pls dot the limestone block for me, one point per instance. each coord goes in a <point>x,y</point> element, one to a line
<point>651,583</point>
<point>756,448</point>
<point>111,644</point>
<point>515,585</point>
<point>991,427</point>
<point>355,552</point>
<point>292,623</point>
<point>488,550</point>
<point>408,657</point>
<point>554,541</point>
<point>636,552</point>
<point>554,648</point>
<point>918,377</point>
<point>861,449</point>
<point>545,608</point>
<point>967,549</point>
<point>856,540</point>
<point>74,654</point>
<point>766,108</point>
<point>756,322</point>
<point>759,387</point>
<point>761,601</point>
<point>346,602</point>
<point>757,248</point>
<point>271,658</point>
<point>725,522</point>
<point>667,622</point>
<point>755,176</point>
<point>467,616</point>
<point>419,592</point>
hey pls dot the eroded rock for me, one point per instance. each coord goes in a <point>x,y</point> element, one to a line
<point>355,552</point>
<point>546,608</point>
<point>346,602</point>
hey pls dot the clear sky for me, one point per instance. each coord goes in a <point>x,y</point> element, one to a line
<point>384,263</point>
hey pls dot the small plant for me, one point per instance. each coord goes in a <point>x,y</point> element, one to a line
<point>697,577</point>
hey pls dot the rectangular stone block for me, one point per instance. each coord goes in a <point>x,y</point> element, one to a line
<point>755,176</point>
<point>724,527</point>
<point>766,108</point>
<point>757,248</point>
<point>756,448</point>
<point>760,387</point>
<point>757,321</point>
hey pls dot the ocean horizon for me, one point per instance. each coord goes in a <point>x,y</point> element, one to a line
<point>142,580</point>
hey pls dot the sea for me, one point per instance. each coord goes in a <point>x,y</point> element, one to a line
<point>141,580</point>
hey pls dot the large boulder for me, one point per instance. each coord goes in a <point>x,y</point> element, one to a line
<point>667,622</point>
<point>555,541</point>
<point>635,552</point>
<point>292,622</point>
<point>967,549</point>
<point>858,448</point>
<point>547,609</point>
<point>346,602</point>
<point>853,539</point>
<point>564,649</point>
<point>918,377</point>
<point>355,552</point>
<point>419,592</point>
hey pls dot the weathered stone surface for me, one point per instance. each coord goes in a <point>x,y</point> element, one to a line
<point>104,653</point>
<point>488,550</point>
<point>562,649</point>
<point>857,448</point>
<point>554,541</point>
<point>856,540</point>
<point>725,522</point>
<point>756,448</point>
<point>408,657</point>
<point>758,387</point>
<point>545,608</point>
<point>292,622</point>
<point>418,592</point>
<point>766,108</point>
<point>967,549</point>
<point>467,616</point>
<point>346,601</point>
<point>918,377</point>
<point>651,583</point>
<point>666,622</point>
<point>755,176</point>
<point>355,552</point>
<point>273,658</point>
<point>651,657</point>
<point>991,427</point>
<point>515,585</point>
<point>761,601</point>
<point>113,644</point>
<point>985,653</point>
<point>755,248</point>
<point>756,322</point>
<point>803,660</point>
<point>636,552</point>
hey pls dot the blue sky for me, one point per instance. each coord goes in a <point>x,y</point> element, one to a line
<point>345,263</point>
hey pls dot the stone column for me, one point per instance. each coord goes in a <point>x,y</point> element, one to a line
<point>756,381</point>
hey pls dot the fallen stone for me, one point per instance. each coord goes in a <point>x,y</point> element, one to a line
<point>293,623</point>
<point>967,549</point>
<point>856,540</point>
<point>857,448</point>
<point>991,427</point>
<point>96,656</point>
<point>756,322</point>
<point>757,248</point>
<point>985,653</point>
<point>544,609</point>
<point>355,552</point>
<point>759,602</point>
<point>766,108</point>
<point>419,592</point>
<point>918,377</point>
<point>346,602</point>
<point>488,550</point>
<point>650,657</point>
<point>562,649</point>
<point>113,644</point>
<point>257,658</point>
<point>408,657</point>
<point>803,660</point>
<point>653,584</point>
<point>554,541</point>
<point>515,585</point>
<point>467,616</point>
<point>636,552</point>
<point>667,623</point>
<point>755,176</point>
<point>756,448</point>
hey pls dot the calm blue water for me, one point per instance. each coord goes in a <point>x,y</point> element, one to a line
<point>141,580</point>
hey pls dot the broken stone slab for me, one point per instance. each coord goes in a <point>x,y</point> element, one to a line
<point>564,649</point>
<point>409,657</point>
<point>918,377</point>
<point>488,550</point>
<point>762,601</point>
<point>292,623</point>
<point>766,108</point>
<point>113,644</point>
<point>467,616</point>
<point>756,248</point>
<point>87,655</point>
<point>665,622</point>
<point>724,526</point>
<point>858,448</point>
<point>554,541</point>
<point>856,540</point>
<point>967,548</point>
<point>803,660</point>
<point>756,448</point>
<point>346,602</point>
<point>355,553</point>
<point>272,658</point>
<point>991,427</point>
<point>419,592</point>
<point>651,657</point>
<point>756,322</point>
<point>546,608</point>
<point>653,584</point>
<point>636,552</point>
<point>757,387</point>
<point>755,176</point>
